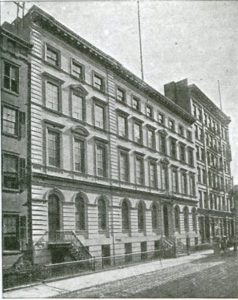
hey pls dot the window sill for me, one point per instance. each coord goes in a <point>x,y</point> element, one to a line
<point>59,113</point>
<point>101,129</point>
<point>14,136</point>
<point>11,252</point>
<point>9,190</point>
<point>82,80</point>
<point>10,92</point>
<point>99,90</point>
<point>53,66</point>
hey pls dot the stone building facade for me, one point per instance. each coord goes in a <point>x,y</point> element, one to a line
<point>213,157</point>
<point>15,70</point>
<point>113,160</point>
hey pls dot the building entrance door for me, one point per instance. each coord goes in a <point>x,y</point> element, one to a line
<point>53,216</point>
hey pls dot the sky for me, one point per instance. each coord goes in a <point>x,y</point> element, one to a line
<point>197,40</point>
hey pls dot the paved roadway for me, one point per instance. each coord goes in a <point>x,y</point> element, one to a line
<point>209,277</point>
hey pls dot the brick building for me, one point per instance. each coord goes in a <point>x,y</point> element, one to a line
<point>113,160</point>
<point>213,157</point>
<point>15,70</point>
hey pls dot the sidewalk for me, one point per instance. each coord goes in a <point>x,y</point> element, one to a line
<point>59,287</point>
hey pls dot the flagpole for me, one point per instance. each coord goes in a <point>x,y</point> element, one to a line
<point>140,42</point>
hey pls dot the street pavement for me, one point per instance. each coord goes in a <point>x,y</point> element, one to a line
<point>140,280</point>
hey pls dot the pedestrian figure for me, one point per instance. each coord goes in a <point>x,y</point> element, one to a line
<point>224,244</point>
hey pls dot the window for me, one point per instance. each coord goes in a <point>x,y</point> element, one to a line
<point>189,135</point>
<point>184,183</point>
<point>125,215</point>
<point>102,214</point>
<point>174,180</point>
<point>80,213</point>
<point>101,164</point>
<point>53,148</point>
<point>122,125</point>
<point>11,77</point>
<point>149,111</point>
<point>190,157</point>
<point>98,82</point>
<point>52,56</point>
<point>124,165</point>
<point>52,99</point>
<point>160,118</point>
<point>136,103</point>
<point>77,70</point>
<point>11,232</point>
<point>182,152</point>
<point>99,116</point>
<point>9,121</point>
<point>77,106</point>
<point>139,170</point>
<point>138,132</point>
<point>141,216</point>
<point>204,176</point>
<point>79,157</point>
<point>197,152</point>
<point>200,199</point>
<point>196,131</point>
<point>164,177</point>
<point>200,114</point>
<point>121,95</point>
<point>202,154</point>
<point>186,219</point>
<point>205,200</point>
<point>171,125</point>
<point>154,216</point>
<point>162,143</point>
<point>194,110</point>
<point>192,184</point>
<point>153,174</point>
<point>151,138</point>
<point>177,218</point>
<point>10,171</point>
<point>173,150</point>
<point>181,130</point>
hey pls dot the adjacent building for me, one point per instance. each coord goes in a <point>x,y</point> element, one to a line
<point>15,70</point>
<point>213,157</point>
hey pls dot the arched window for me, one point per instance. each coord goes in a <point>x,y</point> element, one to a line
<point>154,216</point>
<point>194,217</point>
<point>102,214</point>
<point>54,215</point>
<point>141,216</point>
<point>80,213</point>
<point>177,218</point>
<point>186,221</point>
<point>125,215</point>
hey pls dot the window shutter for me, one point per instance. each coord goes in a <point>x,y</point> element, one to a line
<point>22,173</point>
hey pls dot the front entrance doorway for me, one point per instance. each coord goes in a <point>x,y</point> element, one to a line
<point>53,216</point>
<point>166,220</point>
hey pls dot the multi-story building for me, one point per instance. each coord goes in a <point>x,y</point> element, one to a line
<point>235,195</point>
<point>213,157</point>
<point>113,160</point>
<point>14,102</point>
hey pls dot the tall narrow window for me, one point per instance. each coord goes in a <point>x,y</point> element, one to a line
<point>162,143</point>
<point>124,165</point>
<point>101,160</point>
<point>184,182</point>
<point>79,159</point>
<point>136,103</point>
<point>139,170</point>
<point>122,125</point>
<point>121,95</point>
<point>141,216</point>
<point>10,232</point>
<point>151,138</point>
<point>149,111</point>
<point>192,184</point>
<point>194,218</point>
<point>102,214</point>
<point>99,116</point>
<point>10,171</point>
<point>52,96</point>
<point>80,213</point>
<point>164,177</point>
<point>160,118</point>
<point>52,56</point>
<point>53,148</point>
<point>173,150</point>
<point>186,219</point>
<point>98,82</point>
<point>153,174</point>
<point>174,180</point>
<point>154,216</point>
<point>11,77</point>
<point>182,152</point>
<point>125,215</point>
<point>177,218</point>
<point>190,157</point>
<point>138,133</point>
<point>77,70</point>
<point>77,106</point>
<point>9,117</point>
<point>171,125</point>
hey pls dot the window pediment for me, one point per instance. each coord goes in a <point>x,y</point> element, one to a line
<point>164,161</point>
<point>79,89</point>
<point>80,130</point>
<point>163,132</point>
